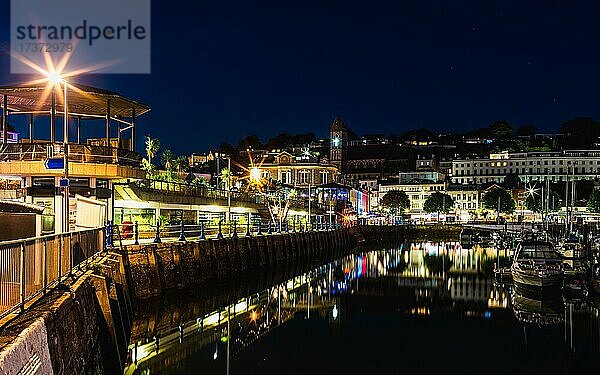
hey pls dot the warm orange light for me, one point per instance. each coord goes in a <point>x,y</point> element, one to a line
<point>253,316</point>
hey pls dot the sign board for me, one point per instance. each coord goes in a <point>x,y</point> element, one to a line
<point>64,182</point>
<point>55,163</point>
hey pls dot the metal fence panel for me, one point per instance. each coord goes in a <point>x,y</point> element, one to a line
<point>29,266</point>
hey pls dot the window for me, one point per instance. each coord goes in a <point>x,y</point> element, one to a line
<point>286,177</point>
<point>324,177</point>
<point>100,183</point>
<point>42,181</point>
<point>304,177</point>
<point>79,182</point>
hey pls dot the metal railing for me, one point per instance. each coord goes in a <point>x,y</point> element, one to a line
<point>30,267</point>
<point>196,191</point>
<point>138,233</point>
<point>77,153</point>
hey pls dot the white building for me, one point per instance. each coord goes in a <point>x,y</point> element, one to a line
<point>530,166</point>
<point>417,190</point>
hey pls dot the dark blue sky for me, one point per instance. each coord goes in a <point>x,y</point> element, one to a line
<point>224,71</point>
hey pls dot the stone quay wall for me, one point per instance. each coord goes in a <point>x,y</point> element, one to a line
<point>155,268</point>
<point>80,327</point>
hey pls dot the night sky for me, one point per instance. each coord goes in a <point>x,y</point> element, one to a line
<point>224,71</point>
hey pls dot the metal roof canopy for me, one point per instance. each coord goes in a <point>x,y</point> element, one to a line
<point>83,101</point>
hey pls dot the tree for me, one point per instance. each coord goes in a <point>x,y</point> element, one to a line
<point>593,204</point>
<point>167,158</point>
<point>438,202</point>
<point>507,203</point>
<point>526,130</point>
<point>395,201</point>
<point>534,202</point>
<point>512,180</point>
<point>250,142</point>
<point>152,146</point>
<point>501,129</point>
<point>181,163</point>
<point>580,132</point>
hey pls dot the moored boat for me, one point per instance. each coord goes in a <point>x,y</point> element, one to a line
<point>537,265</point>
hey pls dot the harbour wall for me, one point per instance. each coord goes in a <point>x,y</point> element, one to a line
<point>80,327</point>
<point>155,268</point>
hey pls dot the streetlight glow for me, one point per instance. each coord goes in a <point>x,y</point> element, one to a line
<point>55,78</point>
<point>255,175</point>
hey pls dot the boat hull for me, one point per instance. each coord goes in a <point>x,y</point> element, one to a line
<point>526,279</point>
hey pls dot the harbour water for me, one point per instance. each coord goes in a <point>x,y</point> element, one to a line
<point>419,308</point>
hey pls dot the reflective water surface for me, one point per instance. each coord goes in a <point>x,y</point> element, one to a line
<point>423,307</point>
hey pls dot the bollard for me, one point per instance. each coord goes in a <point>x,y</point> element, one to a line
<point>269,228</point>
<point>294,225</point>
<point>109,234</point>
<point>259,233</point>
<point>181,231</point>
<point>136,234</point>
<point>279,227</point>
<point>157,237</point>
<point>248,234</point>
<point>235,229</point>
<point>220,234</point>
<point>202,236</point>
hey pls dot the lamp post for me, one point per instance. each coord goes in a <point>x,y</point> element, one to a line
<point>66,148</point>
<point>228,189</point>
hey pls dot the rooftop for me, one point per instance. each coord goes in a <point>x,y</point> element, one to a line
<point>85,101</point>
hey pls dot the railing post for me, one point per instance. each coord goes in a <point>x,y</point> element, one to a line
<point>44,271</point>
<point>202,236</point>
<point>109,234</point>
<point>60,246</point>
<point>234,235</point>
<point>157,237</point>
<point>269,228</point>
<point>220,234</point>
<point>182,231</point>
<point>248,233</point>
<point>259,232</point>
<point>22,276</point>
<point>136,234</point>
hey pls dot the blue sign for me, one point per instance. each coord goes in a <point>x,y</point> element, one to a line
<point>64,182</point>
<point>55,163</point>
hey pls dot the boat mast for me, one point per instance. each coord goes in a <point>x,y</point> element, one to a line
<point>572,201</point>
<point>567,200</point>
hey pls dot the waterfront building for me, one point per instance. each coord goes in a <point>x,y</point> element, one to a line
<point>301,170</point>
<point>417,190</point>
<point>467,200</point>
<point>529,166</point>
<point>72,177</point>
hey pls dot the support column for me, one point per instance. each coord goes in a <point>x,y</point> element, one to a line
<point>31,128</point>
<point>132,146</point>
<point>53,117</point>
<point>108,123</point>
<point>79,129</point>
<point>4,119</point>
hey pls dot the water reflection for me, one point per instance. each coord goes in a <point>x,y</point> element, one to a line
<point>447,288</point>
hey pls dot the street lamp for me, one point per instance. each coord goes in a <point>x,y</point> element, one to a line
<point>56,79</point>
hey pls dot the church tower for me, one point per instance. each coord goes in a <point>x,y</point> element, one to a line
<point>338,142</point>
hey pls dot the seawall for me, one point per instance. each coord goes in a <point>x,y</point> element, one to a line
<point>81,327</point>
<point>155,268</point>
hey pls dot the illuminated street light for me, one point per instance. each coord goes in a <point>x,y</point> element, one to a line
<point>255,175</point>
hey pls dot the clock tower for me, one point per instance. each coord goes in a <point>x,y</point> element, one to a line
<point>338,142</point>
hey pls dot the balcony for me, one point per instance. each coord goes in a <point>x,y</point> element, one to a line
<point>84,160</point>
